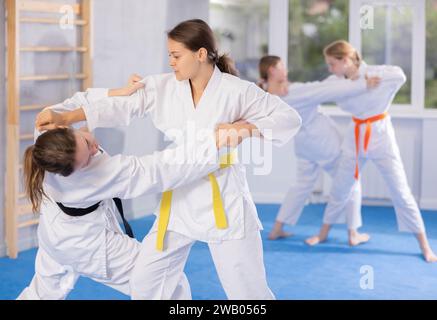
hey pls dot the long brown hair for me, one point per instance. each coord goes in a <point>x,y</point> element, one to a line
<point>54,151</point>
<point>263,67</point>
<point>342,49</point>
<point>196,34</point>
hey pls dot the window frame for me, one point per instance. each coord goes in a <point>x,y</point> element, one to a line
<point>278,45</point>
<point>417,105</point>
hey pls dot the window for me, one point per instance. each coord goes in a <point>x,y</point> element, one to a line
<point>313,24</point>
<point>241,29</point>
<point>431,54</point>
<point>388,40</point>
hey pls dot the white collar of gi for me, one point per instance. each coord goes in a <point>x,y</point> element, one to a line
<point>363,68</point>
<point>211,87</point>
<point>215,78</point>
<point>213,81</point>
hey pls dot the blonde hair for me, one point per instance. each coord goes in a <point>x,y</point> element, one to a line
<point>342,49</point>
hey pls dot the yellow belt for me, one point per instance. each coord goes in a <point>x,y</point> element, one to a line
<point>219,212</point>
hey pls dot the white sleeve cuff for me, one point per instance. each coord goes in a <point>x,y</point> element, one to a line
<point>94,94</point>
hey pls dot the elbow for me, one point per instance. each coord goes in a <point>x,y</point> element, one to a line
<point>400,75</point>
<point>292,124</point>
<point>296,120</point>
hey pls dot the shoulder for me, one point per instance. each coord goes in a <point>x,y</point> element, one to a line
<point>332,77</point>
<point>159,80</point>
<point>235,83</point>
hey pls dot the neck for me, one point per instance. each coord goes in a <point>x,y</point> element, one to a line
<point>277,87</point>
<point>200,81</point>
<point>353,73</point>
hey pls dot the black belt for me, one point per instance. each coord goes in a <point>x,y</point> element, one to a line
<point>78,212</point>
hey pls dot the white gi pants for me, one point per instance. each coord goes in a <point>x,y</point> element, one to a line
<point>297,196</point>
<point>239,264</point>
<point>384,152</point>
<point>54,281</point>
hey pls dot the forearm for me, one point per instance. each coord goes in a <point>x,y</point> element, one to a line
<point>313,94</point>
<point>116,92</point>
<point>71,117</point>
<point>168,169</point>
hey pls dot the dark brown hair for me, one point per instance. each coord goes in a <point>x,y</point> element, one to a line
<point>54,151</point>
<point>263,66</point>
<point>196,34</point>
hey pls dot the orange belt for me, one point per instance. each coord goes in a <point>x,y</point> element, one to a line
<point>358,123</point>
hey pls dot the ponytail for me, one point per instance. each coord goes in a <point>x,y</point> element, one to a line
<point>195,34</point>
<point>54,151</point>
<point>262,83</point>
<point>33,179</point>
<point>227,65</point>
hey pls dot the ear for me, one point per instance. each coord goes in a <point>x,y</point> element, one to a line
<point>202,55</point>
<point>270,70</point>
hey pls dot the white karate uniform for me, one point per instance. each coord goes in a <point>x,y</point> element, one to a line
<point>169,104</point>
<point>94,245</point>
<point>383,149</point>
<point>318,146</point>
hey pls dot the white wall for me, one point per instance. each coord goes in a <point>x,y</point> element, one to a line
<point>428,198</point>
<point>128,38</point>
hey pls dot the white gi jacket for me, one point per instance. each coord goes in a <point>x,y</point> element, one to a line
<point>226,99</point>
<point>319,139</point>
<point>79,243</point>
<point>372,103</point>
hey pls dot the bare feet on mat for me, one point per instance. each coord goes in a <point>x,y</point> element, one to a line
<point>278,233</point>
<point>321,237</point>
<point>357,238</point>
<point>427,252</point>
<point>275,235</point>
<point>312,241</point>
<point>429,256</point>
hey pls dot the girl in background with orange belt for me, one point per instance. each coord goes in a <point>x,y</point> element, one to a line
<point>371,136</point>
<point>317,145</point>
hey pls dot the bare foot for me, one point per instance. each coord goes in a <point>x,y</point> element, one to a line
<point>430,256</point>
<point>358,238</point>
<point>321,237</point>
<point>312,241</point>
<point>278,234</point>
